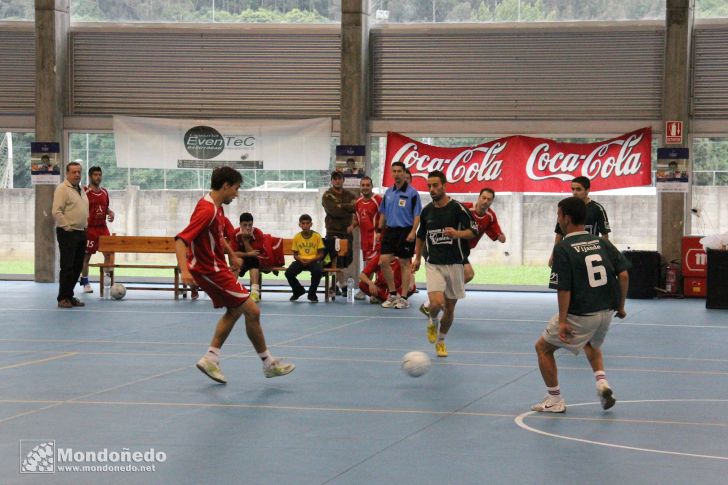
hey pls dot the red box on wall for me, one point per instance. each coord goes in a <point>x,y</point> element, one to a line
<point>694,259</point>
<point>695,287</point>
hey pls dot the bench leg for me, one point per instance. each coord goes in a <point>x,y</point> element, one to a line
<point>176,284</point>
<point>101,281</point>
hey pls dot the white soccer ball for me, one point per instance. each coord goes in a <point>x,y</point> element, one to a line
<point>118,291</point>
<point>416,363</point>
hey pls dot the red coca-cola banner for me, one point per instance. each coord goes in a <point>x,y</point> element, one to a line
<point>526,164</point>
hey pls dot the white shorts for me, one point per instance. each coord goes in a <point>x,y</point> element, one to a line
<point>446,278</point>
<point>584,328</point>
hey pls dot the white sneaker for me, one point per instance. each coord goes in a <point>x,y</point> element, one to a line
<point>402,303</point>
<point>87,288</point>
<point>606,396</point>
<point>360,295</point>
<point>211,369</point>
<point>550,404</point>
<point>278,368</point>
<point>390,302</point>
<point>255,296</point>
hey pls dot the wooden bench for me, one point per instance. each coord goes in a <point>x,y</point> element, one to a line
<point>329,273</point>
<point>138,244</point>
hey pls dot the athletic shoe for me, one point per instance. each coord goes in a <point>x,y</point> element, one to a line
<point>65,303</point>
<point>606,396</point>
<point>390,302</point>
<point>441,349</point>
<point>278,368</point>
<point>360,295</point>
<point>550,404</point>
<point>374,300</point>
<point>297,294</point>
<point>426,312</point>
<point>313,298</point>
<point>87,288</point>
<point>431,332</point>
<point>211,369</point>
<point>402,303</point>
<point>76,302</point>
<point>255,296</point>
<point>194,293</point>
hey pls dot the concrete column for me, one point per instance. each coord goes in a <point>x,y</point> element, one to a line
<point>514,238</point>
<point>52,27</point>
<point>675,107</point>
<point>354,75</point>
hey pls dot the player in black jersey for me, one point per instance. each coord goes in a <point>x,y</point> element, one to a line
<point>596,221</point>
<point>445,227</point>
<point>591,277</point>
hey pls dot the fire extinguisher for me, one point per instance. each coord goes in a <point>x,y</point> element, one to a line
<point>672,275</point>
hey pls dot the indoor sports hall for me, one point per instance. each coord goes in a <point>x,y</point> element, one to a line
<point>139,139</point>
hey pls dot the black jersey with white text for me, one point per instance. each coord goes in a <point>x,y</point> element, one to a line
<point>596,221</point>
<point>439,248</point>
<point>587,266</point>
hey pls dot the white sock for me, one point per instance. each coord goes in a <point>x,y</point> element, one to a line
<point>440,337</point>
<point>426,304</point>
<point>255,288</point>
<point>213,354</point>
<point>600,375</point>
<point>266,358</point>
<point>554,391</point>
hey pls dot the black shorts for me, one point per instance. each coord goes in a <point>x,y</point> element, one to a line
<point>249,263</point>
<point>343,261</point>
<point>394,241</point>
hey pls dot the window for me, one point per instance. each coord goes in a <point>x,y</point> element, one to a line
<point>17,10</point>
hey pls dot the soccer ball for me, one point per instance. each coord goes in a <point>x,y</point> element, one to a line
<point>415,364</point>
<point>118,291</point>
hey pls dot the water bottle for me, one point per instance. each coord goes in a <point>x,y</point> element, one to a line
<point>107,287</point>
<point>350,290</point>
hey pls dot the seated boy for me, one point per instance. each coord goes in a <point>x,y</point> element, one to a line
<point>308,251</point>
<point>249,246</point>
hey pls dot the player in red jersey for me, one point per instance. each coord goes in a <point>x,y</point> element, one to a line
<point>372,282</point>
<point>487,223</point>
<point>98,214</point>
<point>201,249</point>
<point>366,218</point>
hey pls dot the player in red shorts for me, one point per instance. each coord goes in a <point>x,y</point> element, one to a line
<point>98,214</point>
<point>201,249</point>
<point>366,218</point>
<point>376,289</point>
<point>487,223</point>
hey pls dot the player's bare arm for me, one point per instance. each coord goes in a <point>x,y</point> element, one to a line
<point>181,252</point>
<point>564,297</point>
<point>413,232</point>
<point>623,278</point>
<point>235,261</point>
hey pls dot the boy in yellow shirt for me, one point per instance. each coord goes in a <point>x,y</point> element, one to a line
<point>308,251</point>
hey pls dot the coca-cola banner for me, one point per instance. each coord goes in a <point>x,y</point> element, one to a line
<point>526,164</point>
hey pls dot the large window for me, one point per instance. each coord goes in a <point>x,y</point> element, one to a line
<point>223,11</point>
<point>711,8</point>
<point>17,10</point>
<point>410,11</point>
<point>709,206</point>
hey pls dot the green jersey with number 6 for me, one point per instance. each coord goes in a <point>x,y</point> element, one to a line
<point>588,266</point>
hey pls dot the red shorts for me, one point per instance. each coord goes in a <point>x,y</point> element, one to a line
<point>222,287</point>
<point>92,237</point>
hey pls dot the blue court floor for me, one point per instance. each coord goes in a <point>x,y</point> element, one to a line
<point>116,382</point>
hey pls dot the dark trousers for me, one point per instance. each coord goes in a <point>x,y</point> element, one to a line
<point>295,268</point>
<point>72,246</point>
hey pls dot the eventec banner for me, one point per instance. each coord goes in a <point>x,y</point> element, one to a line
<point>526,164</point>
<point>261,144</point>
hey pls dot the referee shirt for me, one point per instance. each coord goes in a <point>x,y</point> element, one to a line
<point>400,206</point>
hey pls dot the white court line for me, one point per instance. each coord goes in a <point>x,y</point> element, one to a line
<point>519,420</point>
<point>531,414</point>
<point>39,361</point>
